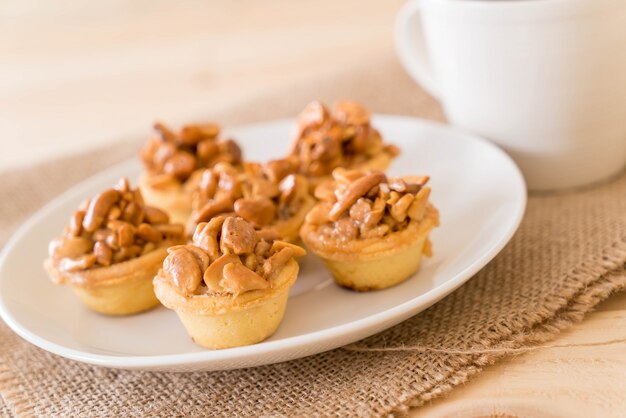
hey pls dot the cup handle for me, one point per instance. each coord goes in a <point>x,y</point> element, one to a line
<point>411,46</point>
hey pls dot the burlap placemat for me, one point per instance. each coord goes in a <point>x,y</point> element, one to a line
<point>569,254</point>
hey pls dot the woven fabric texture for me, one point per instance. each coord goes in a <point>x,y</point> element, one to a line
<point>569,254</point>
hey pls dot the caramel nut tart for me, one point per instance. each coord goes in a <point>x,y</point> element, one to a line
<point>343,137</point>
<point>269,196</point>
<point>112,249</point>
<point>370,230</point>
<point>173,163</point>
<point>230,286</point>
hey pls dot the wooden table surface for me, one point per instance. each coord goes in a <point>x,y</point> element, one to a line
<point>103,66</point>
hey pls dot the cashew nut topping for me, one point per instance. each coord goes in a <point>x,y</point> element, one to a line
<point>70,247</point>
<point>113,227</point>
<point>114,213</point>
<point>313,116</point>
<point>341,138</point>
<point>276,170</point>
<point>238,236</point>
<point>325,191</point>
<point>360,204</point>
<point>82,262</point>
<point>272,264</point>
<point>76,223</point>
<point>192,134</point>
<point>179,154</point>
<point>267,234</point>
<point>180,165</point>
<point>398,211</point>
<point>183,268</point>
<point>238,279</point>
<point>155,216</point>
<point>125,235</point>
<point>133,213</point>
<point>318,215</point>
<point>98,209</point>
<point>264,187</point>
<point>202,257</point>
<point>103,253</point>
<point>230,256</point>
<point>208,183</point>
<point>147,232</point>
<point>205,236</point>
<point>170,231</point>
<point>261,194</point>
<point>279,245</point>
<point>259,210</point>
<point>418,207</point>
<point>355,190</point>
<point>212,208</point>
<point>126,253</point>
<point>214,273</point>
<point>207,150</point>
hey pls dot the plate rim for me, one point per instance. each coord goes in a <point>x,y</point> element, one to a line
<point>327,335</point>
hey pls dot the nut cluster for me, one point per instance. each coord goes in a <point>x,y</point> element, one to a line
<point>325,140</point>
<point>227,256</point>
<point>260,194</point>
<point>367,204</point>
<point>110,228</point>
<point>174,156</point>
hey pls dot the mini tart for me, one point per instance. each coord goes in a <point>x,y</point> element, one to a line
<point>219,306</point>
<point>343,138</point>
<point>374,263</point>
<point>378,255</point>
<point>173,162</point>
<point>168,193</point>
<point>270,196</point>
<point>222,321</point>
<point>119,289</point>
<point>111,250</point>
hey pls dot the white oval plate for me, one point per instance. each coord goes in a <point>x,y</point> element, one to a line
<point>478,189</point>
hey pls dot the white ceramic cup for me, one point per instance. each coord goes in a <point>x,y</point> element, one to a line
<point>544,79</point>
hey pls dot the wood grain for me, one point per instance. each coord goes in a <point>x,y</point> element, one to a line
<point>586,378</point>
<point>75,76</point>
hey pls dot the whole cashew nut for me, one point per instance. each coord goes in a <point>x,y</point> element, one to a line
<point>98,209</point>
<point>355,190</point>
